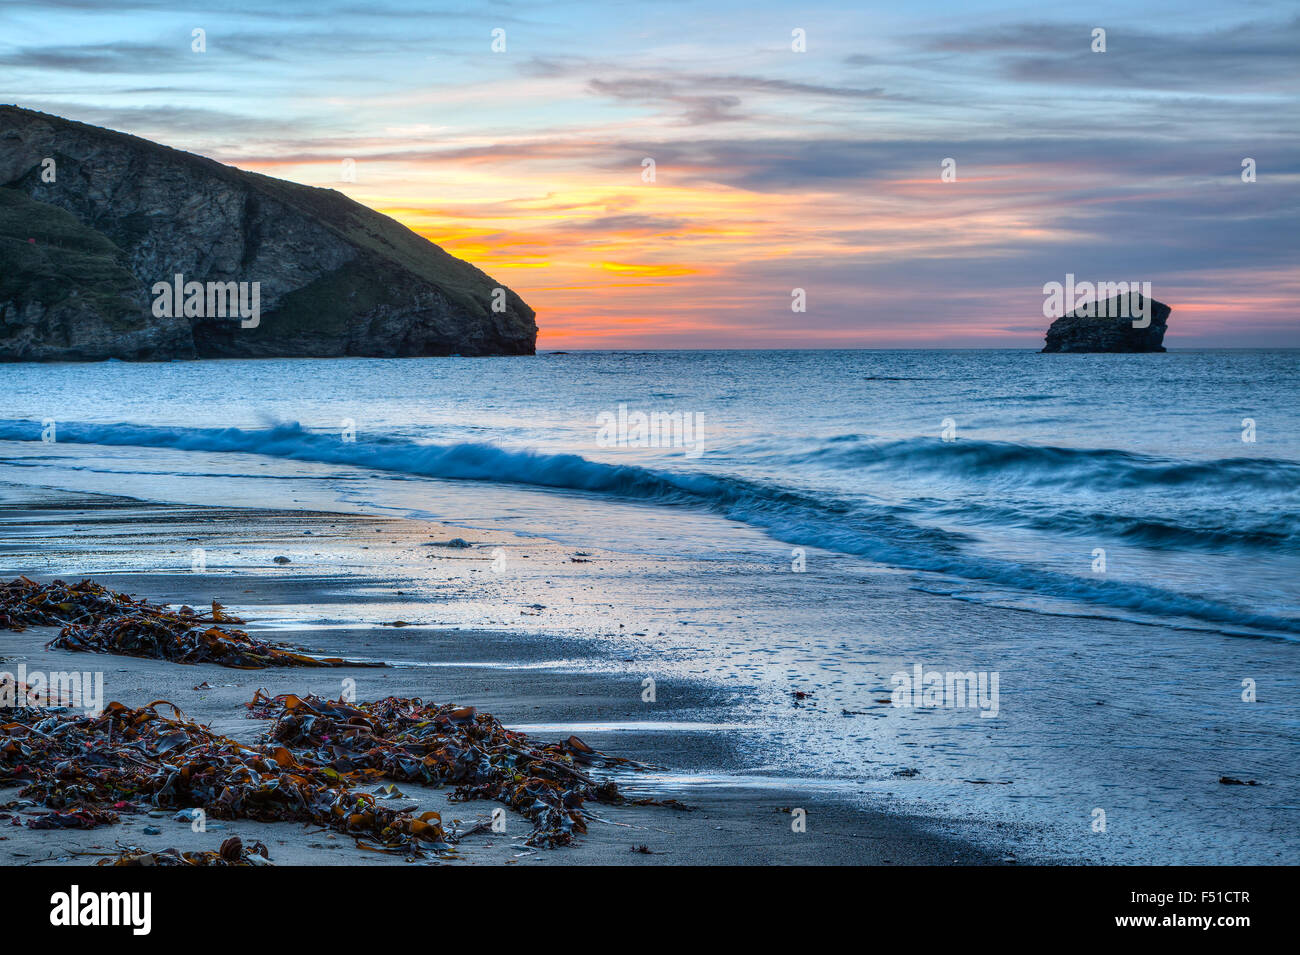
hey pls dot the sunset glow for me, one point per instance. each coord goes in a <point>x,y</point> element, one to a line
<point>773,169</point>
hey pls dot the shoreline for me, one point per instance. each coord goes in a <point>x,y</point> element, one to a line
<point>518,675</point>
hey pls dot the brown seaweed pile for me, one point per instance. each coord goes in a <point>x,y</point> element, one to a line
<point>97,620</point>
<point>87,769</point>
<point>408,740</point>
<point>232,852</point>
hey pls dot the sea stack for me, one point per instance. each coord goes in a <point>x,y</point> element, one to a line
<point>113,246</point>
<point>1122,323</point>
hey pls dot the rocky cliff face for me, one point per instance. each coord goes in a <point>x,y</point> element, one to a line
<point>1108,327</point>
<point>85,238</point>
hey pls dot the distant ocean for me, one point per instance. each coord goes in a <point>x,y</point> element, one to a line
<point>1159,494</point>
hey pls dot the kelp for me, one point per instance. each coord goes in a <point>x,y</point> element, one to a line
<point>232,852</point>
<point>90,767</point>
<point>98,620</point>
<point>408,740</point>
<point>154,639</point>
<point>318,755</point>
<point>76,819</point>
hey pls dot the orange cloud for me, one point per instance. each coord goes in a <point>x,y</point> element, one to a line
<point>657,271</point>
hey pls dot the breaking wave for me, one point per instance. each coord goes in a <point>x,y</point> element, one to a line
<point>874,531</point>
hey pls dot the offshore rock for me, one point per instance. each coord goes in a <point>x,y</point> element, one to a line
<point>1110,327</point>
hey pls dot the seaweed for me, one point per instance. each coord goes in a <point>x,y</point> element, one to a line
<point>76,819</point>
<point>87,768</point>
<point>232,852</point>
<point>97,765</point>
<point>98,620</point>
<point>408,740</point>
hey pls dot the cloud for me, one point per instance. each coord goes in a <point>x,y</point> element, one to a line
<point>695,109</point>
<point>103,58</point>
<point>1257,56</point>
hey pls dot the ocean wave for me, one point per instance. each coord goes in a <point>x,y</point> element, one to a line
<point>875,532</point>
<point>1218,530</point>
<point>1106,468</point>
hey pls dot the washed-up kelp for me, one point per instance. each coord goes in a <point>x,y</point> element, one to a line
<point>232,852</point>
<point>98,620</point>
<point>157,640</point>
<point>408,740</point>
<point>76,819</point>
<point>25,603</point>
<point>88,768</point>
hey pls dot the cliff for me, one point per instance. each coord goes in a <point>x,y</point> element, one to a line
<point>84,241</point>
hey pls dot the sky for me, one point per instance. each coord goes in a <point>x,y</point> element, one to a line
<point>774,168</point>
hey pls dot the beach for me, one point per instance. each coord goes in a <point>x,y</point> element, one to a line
<point>972,591</point>
<point>352,571</point>
<point>1107,599</point>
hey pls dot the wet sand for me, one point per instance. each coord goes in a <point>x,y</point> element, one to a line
<point>348,580</point>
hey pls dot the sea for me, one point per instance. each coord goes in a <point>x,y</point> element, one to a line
<point>1109,540</point>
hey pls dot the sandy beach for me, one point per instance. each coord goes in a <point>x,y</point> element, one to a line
<point>329,599</point>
